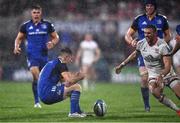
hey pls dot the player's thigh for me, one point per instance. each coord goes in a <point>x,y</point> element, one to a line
<point>175,86</point>
<point>154,88</point>
<point>144,76</point>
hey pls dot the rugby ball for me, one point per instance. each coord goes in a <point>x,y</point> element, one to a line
<point>100,108</point>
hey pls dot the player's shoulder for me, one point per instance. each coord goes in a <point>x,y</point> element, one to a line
<point>140,16</point>
<point>161,16</point>
<point>140,43</point>
<point>46,21</point>
<point>161,42</point>
<point>26,22</point>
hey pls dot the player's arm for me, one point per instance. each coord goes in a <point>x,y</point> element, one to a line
<point>78,56</point>
<point>72,77</point>
<point>98,54</point>
<point>130,58</point>
<point>167,67</point>
<point>167,35</point>
<point>177,45</point>
<point>54,40</point>
<point>129,37</point>
<point>20,37</point>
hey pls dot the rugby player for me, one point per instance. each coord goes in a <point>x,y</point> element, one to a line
<point>151,16</point>
<point>56,83</point>
<point>41,36</point>
<point>157,59</point>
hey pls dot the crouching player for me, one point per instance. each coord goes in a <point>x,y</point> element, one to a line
<point>52,89</point>
<point>155,52</point>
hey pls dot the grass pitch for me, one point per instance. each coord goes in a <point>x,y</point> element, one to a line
<point>124,104</point>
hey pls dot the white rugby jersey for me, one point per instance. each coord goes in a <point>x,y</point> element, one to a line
<point>88,51</point>
<point>153,56</point>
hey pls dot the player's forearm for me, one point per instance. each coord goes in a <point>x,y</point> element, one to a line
<point>167,36</point>
<point>128,38</point>
<point>55,39</point>
<point>76,77</point>
<point>176,48</point>
<point>167,66</point>
<point>130,58</point>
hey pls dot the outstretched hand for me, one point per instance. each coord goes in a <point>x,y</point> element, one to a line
<point>118,68</point>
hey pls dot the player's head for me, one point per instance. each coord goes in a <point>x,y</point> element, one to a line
<point>150,6</point>
<point>66,55</point>
<point>36,13</point>
<point>150,33</point>
<point>88,37</point>
<point>178,33</point>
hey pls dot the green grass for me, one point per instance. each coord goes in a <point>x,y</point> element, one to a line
<point>123,101</point>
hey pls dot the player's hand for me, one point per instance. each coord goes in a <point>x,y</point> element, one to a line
<point>177,38</point>
<point>118,68</point>
<point>160,81</point>
<point>134,42</point>
<point>17,50</point>
<point>50,45</point>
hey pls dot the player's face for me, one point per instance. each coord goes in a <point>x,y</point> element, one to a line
<point>149,35</point>
<point>88,37</point>
<point>150,9</point>
<point>69,58</point>
<point>36,15</point>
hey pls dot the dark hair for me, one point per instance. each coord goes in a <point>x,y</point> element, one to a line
<point>36,7</point>
<point>178,29</point>
<point>152,27</point>
<point>66,50</point>
<point>153,2</point>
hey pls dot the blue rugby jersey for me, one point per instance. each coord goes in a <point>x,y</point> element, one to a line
<point>141,21</point>
<point>51,73</point>
<point>37,36</point>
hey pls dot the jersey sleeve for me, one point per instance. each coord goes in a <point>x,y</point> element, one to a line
<point>23,28</point>
<point>166,25</point>
<point>138,46</point>
<point>134,25</point>
<point>165,50</point>
<point>51,28</point>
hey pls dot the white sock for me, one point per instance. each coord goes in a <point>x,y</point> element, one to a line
<point>85,84</point>
<point>169,103</point>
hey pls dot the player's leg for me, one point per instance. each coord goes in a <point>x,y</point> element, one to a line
<point>144,83</point>
<point>175,86</point>
<point>157,90</point>
<point>85,80</point>
<point>35,73</point>
<point>74,91</point>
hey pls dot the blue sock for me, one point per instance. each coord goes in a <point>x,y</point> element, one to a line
<point>75,95</point>
<point>145,95</point>
<point>34,88</point>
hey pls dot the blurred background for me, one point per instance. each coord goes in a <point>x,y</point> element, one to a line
<point>107,20</point>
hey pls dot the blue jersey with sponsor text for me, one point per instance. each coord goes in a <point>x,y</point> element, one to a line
<point>142,21</point>
<point>37,36</point>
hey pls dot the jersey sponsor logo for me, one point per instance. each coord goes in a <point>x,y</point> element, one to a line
<point>35,33</point>
<point>150,58</point>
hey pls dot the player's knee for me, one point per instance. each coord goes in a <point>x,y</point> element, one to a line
<point>77,87</point>
<point>144,80</point>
